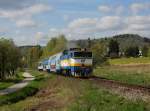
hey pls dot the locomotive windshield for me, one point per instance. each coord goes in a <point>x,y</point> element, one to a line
<point>83,54</point>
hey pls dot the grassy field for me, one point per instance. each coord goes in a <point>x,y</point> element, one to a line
<point>102,100</point>
<point>127,74</point>
<point>69,94</point>
<point>128,61</point>
<point>6,83</point>
<point>127,70</point>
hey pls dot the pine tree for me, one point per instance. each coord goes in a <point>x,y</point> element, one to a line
<point>113,48</point>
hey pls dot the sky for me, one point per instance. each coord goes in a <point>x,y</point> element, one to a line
<point>32,22</point>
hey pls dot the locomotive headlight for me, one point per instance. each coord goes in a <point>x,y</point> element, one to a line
<point>72,60</point>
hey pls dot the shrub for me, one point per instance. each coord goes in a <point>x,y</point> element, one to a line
<point>132,51</point>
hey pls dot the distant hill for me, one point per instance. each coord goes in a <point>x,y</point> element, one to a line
<point>124,40</point>
<point>127,40</point>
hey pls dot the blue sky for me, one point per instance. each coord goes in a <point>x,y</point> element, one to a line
<point>31,22</point>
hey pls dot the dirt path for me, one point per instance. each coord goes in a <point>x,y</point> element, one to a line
<point>28,77</point>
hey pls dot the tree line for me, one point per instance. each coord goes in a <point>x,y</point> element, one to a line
<point>114,50</point>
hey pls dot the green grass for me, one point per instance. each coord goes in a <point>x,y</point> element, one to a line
<point>29,90</point>
<point>11,81</point>
<point>4,85</point>
<point>70,94</point>
<point>124,61</point>
<point>101,100</point>
<point>132,75</point>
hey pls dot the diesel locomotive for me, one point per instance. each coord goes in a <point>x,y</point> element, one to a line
<point>73,62</point>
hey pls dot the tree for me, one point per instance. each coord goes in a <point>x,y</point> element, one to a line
<point>14,59</point>
<point>61,44</point>
<point>10,58</point>
<point>145,51</point>
<point>89,43</point>
<point>54,46</point>
<point>99,53</point>
<point>132,51</point>
<point>82,43</point>
<point>113,48</point>
<point>33,56</point>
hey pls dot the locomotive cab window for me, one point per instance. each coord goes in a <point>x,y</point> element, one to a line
<point>71,54</point>
<point>83,54</point>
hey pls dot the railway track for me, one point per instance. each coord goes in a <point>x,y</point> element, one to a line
<point>127,90</point>
<point>131,91</point>
<point>116,83</point>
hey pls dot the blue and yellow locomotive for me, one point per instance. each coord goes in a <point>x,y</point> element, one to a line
<point>73,62</point>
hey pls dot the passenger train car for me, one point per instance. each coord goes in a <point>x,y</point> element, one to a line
<point>73,62</point>
<point>40,66</point>
<point>43,65</point>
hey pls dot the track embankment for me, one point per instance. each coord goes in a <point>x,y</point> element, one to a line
<point>126,90</point>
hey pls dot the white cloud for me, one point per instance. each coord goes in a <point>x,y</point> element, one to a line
<point>107,25</point>
<point>53,32</point>
<point>119,10</point>
<point>39,35</point>
<point>40,38</point>
<point>137,7</point>
<point>25,23</point>
<point>104,9</point>
<point>138,22</point>
<point>138,19</point>
<point>25,12</point>
<point>38,8</point>
<point>83,22</point>
<point>92,25</point>
<point>95,27</point>
<point>23,17</point>
<point>140,27</point>
<point>111,9</point>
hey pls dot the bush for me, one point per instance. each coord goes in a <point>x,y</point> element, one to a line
<point>132,51</point>
<point>99,52</point>
<point>145,51</point>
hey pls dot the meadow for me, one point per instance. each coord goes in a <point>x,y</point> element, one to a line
<point>126,70</point>
<point>139,75</point>
<point>130,61</point>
